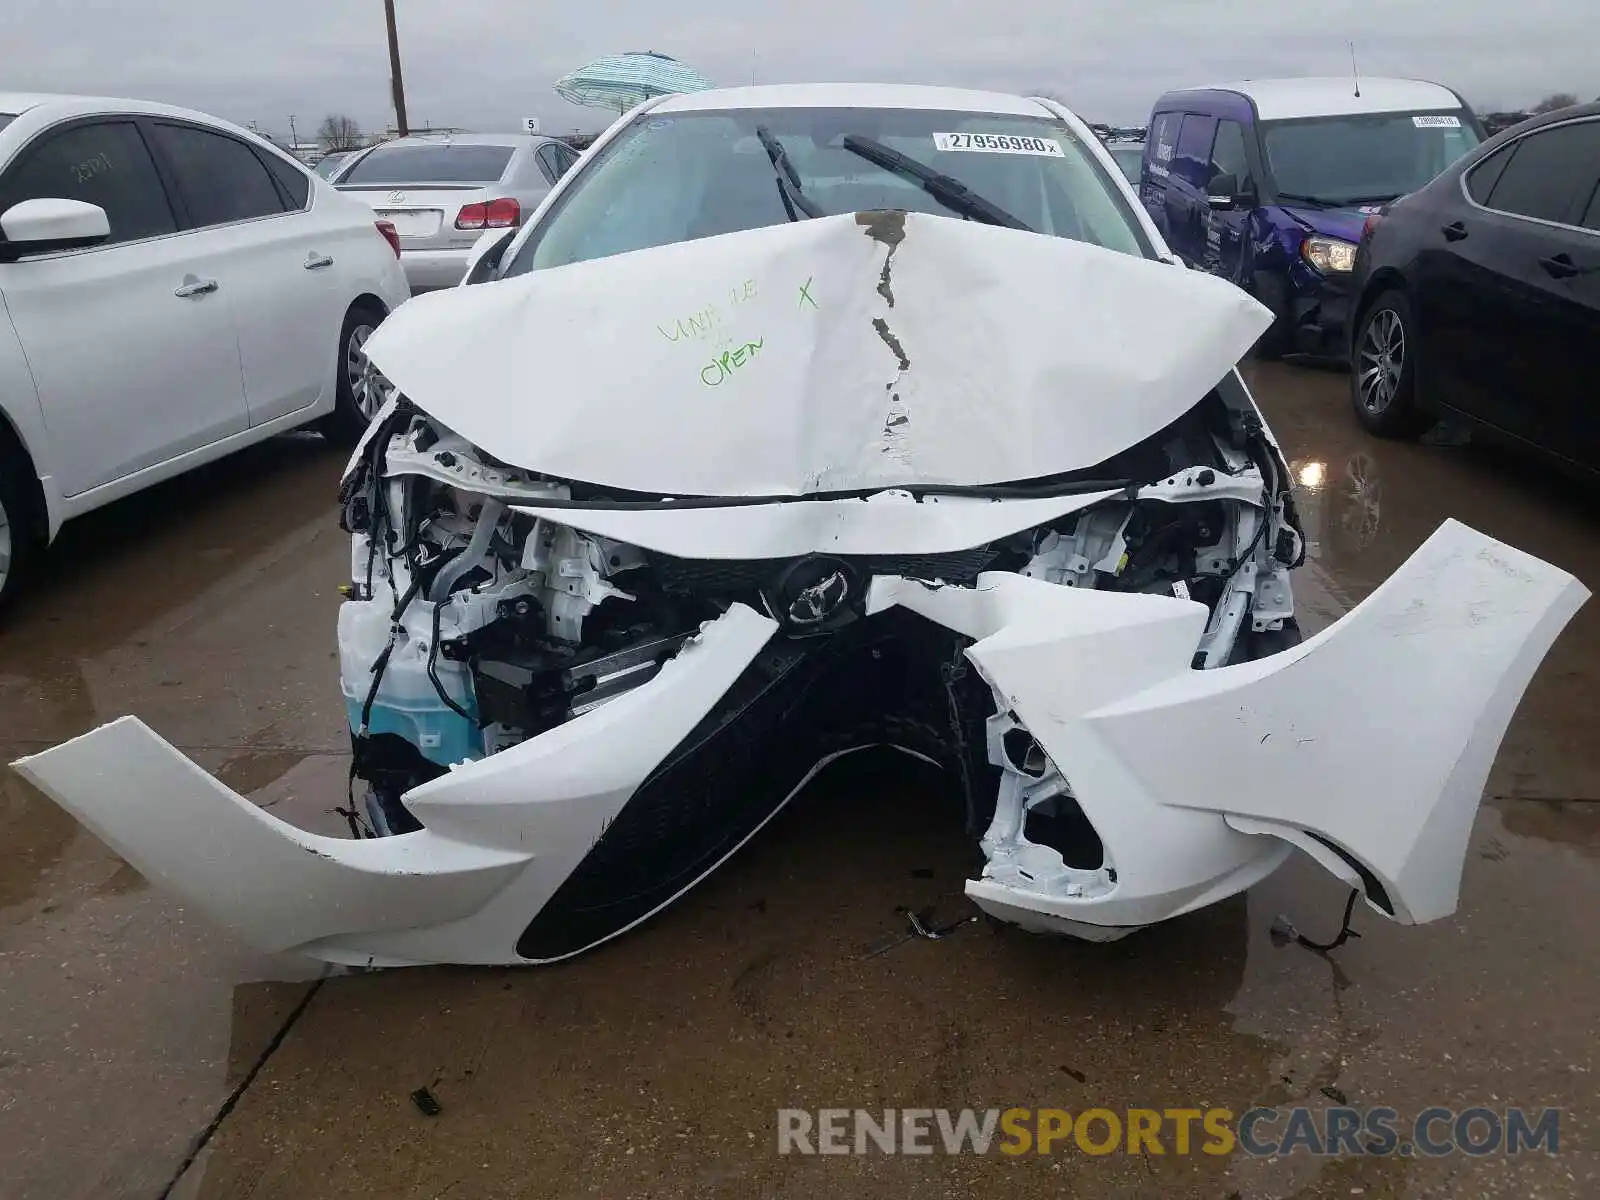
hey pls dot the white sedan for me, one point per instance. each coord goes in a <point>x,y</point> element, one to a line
<point>802,420</point>
<point>172,288</point>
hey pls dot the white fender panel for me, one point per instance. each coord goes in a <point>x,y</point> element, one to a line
<point>1377,734</point>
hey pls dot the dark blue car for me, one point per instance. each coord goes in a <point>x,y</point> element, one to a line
<point>1268,183</point>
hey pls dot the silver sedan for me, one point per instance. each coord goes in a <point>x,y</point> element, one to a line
<point>441,191</point>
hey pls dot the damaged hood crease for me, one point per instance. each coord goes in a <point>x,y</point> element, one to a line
<point>846,353</point>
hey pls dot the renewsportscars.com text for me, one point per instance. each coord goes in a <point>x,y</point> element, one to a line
<point>1258,1132</point>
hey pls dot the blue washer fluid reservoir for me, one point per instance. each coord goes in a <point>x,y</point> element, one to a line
<point>407,704</point>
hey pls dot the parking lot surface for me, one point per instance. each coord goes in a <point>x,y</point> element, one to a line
<point>132,1034</point>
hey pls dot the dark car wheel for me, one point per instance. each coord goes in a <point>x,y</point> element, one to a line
<point>359,395</point>
<point>19,538</point>
<point>1383,369</point>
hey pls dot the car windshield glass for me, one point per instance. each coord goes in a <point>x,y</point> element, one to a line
<point>6,119</point>
<point>329,165</point>
<point>430,164</point>
<point>1363,158</point>
<point>673,178</point>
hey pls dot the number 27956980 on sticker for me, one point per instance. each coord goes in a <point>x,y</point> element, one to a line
<point>998,143</point>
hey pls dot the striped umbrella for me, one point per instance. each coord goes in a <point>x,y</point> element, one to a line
<point>621,81</point>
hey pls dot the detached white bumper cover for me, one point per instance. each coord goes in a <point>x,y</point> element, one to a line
<point>1368,746</point>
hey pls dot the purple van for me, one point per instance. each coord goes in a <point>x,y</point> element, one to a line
<point>1268,182</point>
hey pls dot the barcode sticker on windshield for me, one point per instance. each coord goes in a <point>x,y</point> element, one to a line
<point>1436,121</point>
<point>998,143</point>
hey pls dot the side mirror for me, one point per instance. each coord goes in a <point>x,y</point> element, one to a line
<point>1223,194</point>
<point>46,224</point>
<point>483,260</point>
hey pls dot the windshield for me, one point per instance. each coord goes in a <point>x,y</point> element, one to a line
<point>1363,159</point>
<point>430,164</point>
<point>6,119</point>
<point>673,178</point>
<point>329,165</point>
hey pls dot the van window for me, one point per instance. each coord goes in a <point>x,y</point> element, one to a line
<point>1228,156</point>
<point>1192,162</point>
<point>1164,141</point>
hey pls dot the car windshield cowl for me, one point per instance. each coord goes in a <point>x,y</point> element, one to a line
<point>1314,201</point>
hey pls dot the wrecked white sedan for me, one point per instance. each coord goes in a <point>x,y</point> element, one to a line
<point>801,420</point>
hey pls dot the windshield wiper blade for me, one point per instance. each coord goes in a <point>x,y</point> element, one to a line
<point>788,178</point>
<point>946,189</point>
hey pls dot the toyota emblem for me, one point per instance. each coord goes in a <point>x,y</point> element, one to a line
<point>397,197</point>
<point>812,595</point>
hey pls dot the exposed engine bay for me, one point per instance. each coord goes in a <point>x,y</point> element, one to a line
<point>473,625</point>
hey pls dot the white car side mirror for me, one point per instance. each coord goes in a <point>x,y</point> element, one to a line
<point>37,226</point>
<point>484,257</point>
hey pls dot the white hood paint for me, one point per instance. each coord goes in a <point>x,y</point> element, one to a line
<point>766,362</point>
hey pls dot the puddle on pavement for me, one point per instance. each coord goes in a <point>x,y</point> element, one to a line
<point>123,1022</point>
<point>1368,503</point>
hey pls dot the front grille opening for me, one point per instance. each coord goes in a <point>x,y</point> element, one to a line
<point>1060,824</point>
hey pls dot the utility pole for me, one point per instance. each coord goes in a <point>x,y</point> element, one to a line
<point>395,85</point>
<point>294,138</point>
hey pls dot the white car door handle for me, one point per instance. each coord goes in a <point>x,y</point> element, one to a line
<point>195,287</point>
<point>315,261</point>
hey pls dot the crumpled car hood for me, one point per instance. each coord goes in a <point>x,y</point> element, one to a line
<point>858,351</point>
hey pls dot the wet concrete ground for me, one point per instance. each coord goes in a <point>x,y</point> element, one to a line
<point>130,1032</point>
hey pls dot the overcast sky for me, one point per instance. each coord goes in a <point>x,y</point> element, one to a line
<point>485,64</point>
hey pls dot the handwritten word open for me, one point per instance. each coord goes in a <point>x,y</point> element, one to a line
<point>717,371</point>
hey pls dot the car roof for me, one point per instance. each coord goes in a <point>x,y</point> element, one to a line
<point>851,95</point>
<point>466,139</point>
<point>65,106</point>
<point>1555,116</point>
<point>21,102</point>
<point>72,105</point>
<point>1336,95</point>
